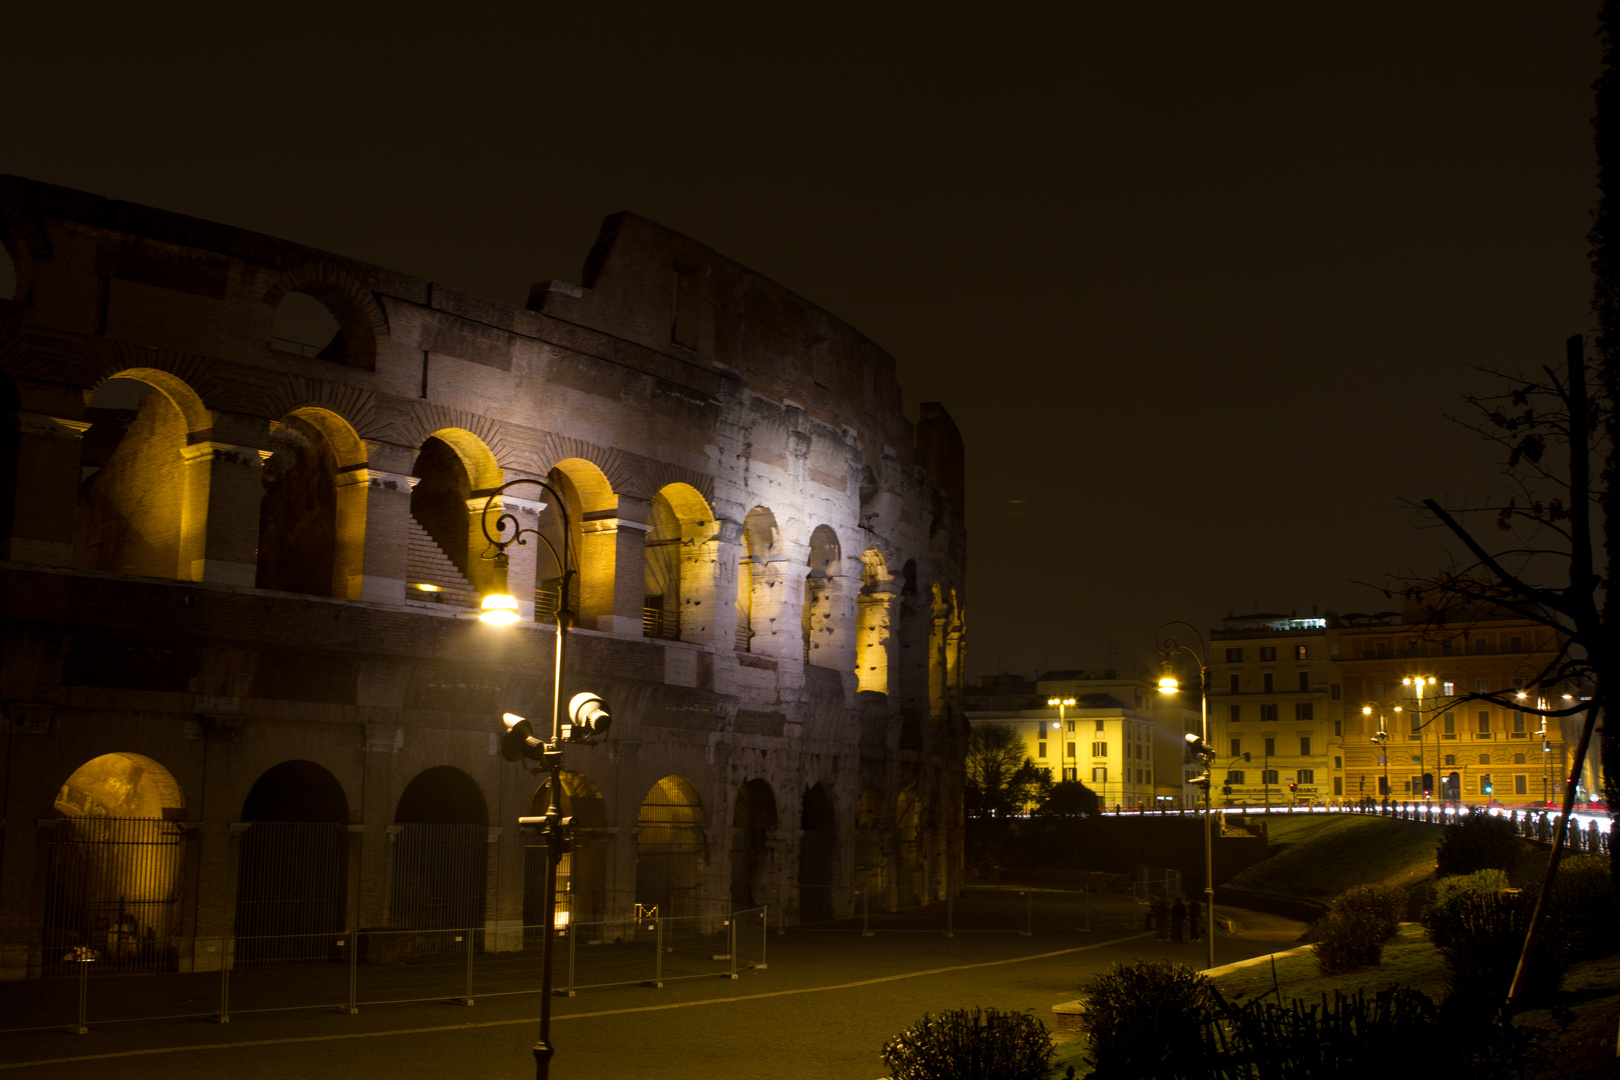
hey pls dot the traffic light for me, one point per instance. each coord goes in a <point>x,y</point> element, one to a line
<point>1245,755</point>
<point>1226,789</point>
<point>1290,787</point>
<point>1489,787</point>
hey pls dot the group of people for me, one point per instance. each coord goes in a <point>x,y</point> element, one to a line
<point>1178,921</point>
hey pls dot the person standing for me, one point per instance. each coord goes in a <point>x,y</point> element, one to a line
<point>1161,918</point>
<point>1195,911</point>
<point>1178,920</point>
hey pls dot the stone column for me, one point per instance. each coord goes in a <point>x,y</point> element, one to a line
<point>612,574</point>
<point>874,642</point>
<point>219,517</point>
<point>46,496</point>
<point>373,512</point>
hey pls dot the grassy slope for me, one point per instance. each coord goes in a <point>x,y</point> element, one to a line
<point>1320,856</point>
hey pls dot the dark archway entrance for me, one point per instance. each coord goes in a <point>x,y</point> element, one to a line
<point>753,819</point>
<point>291,866</point>
<point>669,848</point>
<point>582,870</point>
<point>818,844</point>
<point>440,853</point>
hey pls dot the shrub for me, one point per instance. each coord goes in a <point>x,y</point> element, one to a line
<point>1353,933</point>
<point>1479,841</point>
<point>1480,935</point>
<point>965,1044</point>
<point>1147,1020</point>
<point>1479,883</point>
<point>1583,920</point>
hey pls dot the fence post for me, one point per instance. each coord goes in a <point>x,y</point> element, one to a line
<point>224,989</point>
<point>950,915</point>
<point>731,942</point>
<point>354,972</point>
<point>573,940</point>
<point>866,928</point>
<point>83,1027</point>
<point>1029,914</point>
<point>764,933</point>
<point>658,947</point>
<point>468,999</point>
<point>1085,891</point>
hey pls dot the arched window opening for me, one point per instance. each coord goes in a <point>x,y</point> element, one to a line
<point>819,599</point>
<point>440,858</point>
<point>582,869</point>
<point>306,327</point>
<point>818,848</point>
<point>298,514</point>
<point>587,493</point>
<point>760,536</point>
<point>441,552</point>
<point>753,819</point>
<point>678,592</point>
<point>131,482</point>
<point>291,866</point>
<point>872,633</point>
<point>661,589</point>
<point>669,848</point>
<point>115,870</point>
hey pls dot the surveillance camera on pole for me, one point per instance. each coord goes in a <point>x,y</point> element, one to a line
<point>519,741</point>
<point>1199,747</point>
<point>588,719</point>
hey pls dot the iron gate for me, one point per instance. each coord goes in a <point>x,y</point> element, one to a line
<point>113,885</point>
<point>439,882</point>
<point>289,891</point>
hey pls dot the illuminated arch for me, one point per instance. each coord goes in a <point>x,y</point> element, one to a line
<point>120,785</point>
<point>760,536</point>
<point>680,521</point>
<point>455,472</point>
<point>582,871</point>
<point>872,632</point>
<point>588,494</point>
<point>669,847</point>
<point>820,599</point>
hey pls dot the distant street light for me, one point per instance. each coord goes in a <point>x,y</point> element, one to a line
<point>1382,737</point>
<point>1199,744</point>
<point>1417,683</point>
<point>1062,704</point>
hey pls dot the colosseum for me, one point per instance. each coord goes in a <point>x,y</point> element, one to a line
<point>247,701</point>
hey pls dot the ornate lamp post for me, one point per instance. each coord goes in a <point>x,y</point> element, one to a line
<point>585,717</point>
<point>1199,745</point>
<point>1382,738</point>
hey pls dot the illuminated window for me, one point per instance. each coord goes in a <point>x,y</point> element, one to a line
<point>1482,686</point>
<point>1301,652</point>
<point>1448,689</point>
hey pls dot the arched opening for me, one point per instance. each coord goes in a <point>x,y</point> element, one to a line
<point>131,482</point>
<point>870,866</point>
<point>115,869</point>
<point>753,819</point>
<point>581,871</point>
<point>291,866</point>
<point>817,617</point>
<point>306,327</point>
<point>587,493</point>
<point>872,634</point>
<point>818,845</point>
<point>759,537</point>
<point>669,848</point>
<point>439,858</point>
<point>908,878</point>
<point>680,522</point>
<point>298,513</point>
<point>441,551</point>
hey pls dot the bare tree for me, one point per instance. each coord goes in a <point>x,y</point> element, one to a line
<point>999,775</point>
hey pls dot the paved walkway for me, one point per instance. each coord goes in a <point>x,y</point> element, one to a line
<point>822,1008</point>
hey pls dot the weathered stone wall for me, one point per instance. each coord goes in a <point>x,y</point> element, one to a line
<point>673,400</point>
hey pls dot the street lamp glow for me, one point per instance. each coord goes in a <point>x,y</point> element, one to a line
<point>499,609</point>
<point>1168,683</point>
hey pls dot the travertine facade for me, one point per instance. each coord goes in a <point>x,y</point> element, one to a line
<point>242,558</point>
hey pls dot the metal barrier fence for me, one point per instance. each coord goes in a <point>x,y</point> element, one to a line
<point>369,968</point>
<point>1533,824</point>
<point>1043,904</point>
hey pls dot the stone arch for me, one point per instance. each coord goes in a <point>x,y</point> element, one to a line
<point>669,848</point>
<point>818,847</point>
<point>360,318</point>
<point>760,537</point>
<point>116,869</point>
<point>590,499</point>
<point>291,865</point>
<point>873,630</point>
<point>312,515</point>
<point>137,507</point>
<point>753,819</point>
<point>582,870</point>
<point>455,472</point>
<point>680,522</point>
<point>908,876</point>
<point>821,599</point>
<point>871,865</point>
<point>439,857</point>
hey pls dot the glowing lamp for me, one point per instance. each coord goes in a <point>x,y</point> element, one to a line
<point>499,609</point>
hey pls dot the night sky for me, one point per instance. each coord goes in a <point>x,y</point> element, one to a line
<point>1202,284</point>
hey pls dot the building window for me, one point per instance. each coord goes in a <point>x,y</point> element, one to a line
<point>1380,690</point>
<point>1268,652</point>
<point>1482,645</point>
<point>1484,759</point>
<point>1304,746</point>
<point>1100,724</point>
<point>1417,725</point>
<point>1482,686</point>
<point>1448,689</point>
<point>1267,681</point>
<point>1099,749</point>
<point>1485,722</point>
<point>1333,691</point>
<point>1040,748</point>
<point>1304,682</point>
<point>1234,713</point>
<point>1338,785</point>
<point>1237,747</point>
<point>1451,760</point>
<point>1380,650</point>
<point>1234,656</point>
<point>1234,776</point>
<point>1235,684</point>
<point>1099,774</point>
<point>1448,726</point>
<point>1338,729</point>
<point>1071,727</point>
<point>1271,746</point>
<point>1520,786</point>
<point>1515,644</point>
<point>1304,710</point>
<point>1307,776</point>
<point>1268,776</point>
<point>1301,652</point>
<point>1518,724</point>
<point>1417,760</point>
<point>1338,762</point>
<point>1268,714</point>
<point>1518,759</point>
<point>1070,772</point>
<point>1068,750</point>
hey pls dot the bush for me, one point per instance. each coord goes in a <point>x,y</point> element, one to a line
<point>1353,934</point>
<point>1479,883</point>
<point>1148,1020</point>
<point>1479,841</point>
<point>1480,934</point>
<point>971,1045</point>
<point>1583,920</point>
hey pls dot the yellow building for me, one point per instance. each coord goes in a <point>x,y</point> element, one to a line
<point>1276,712</point>
<point>1444,745</point>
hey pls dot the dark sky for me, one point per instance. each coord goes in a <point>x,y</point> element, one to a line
<point>1201,283</point>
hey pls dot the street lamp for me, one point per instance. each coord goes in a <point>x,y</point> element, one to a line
<point>585,718</point>
<point>1168,684</point>
<point>1382,738</point>
<point>1062,704</point>
<point>1416,683</point>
